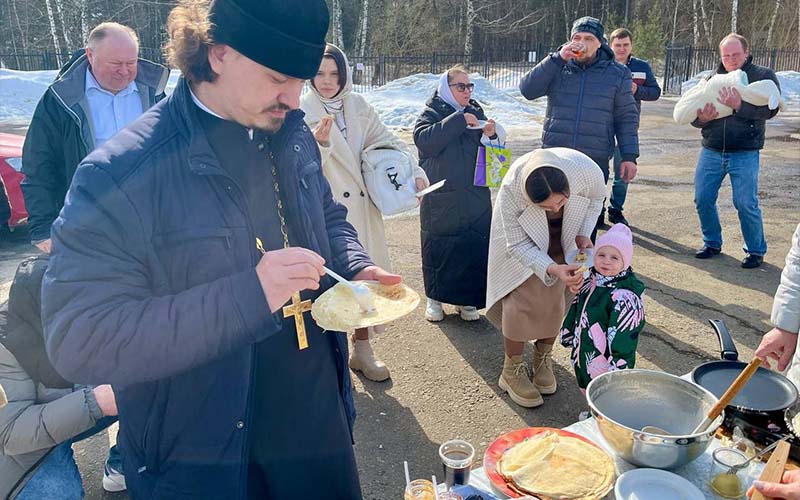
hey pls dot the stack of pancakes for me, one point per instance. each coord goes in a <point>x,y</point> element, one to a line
<point>557,467</point>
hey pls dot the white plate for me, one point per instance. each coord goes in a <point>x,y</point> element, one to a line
<point>479,126</point>
<point>655,484</point>
<point>570,257</point>
<point>431,188</point>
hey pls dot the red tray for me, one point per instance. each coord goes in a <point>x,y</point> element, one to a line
<point>506,441</point>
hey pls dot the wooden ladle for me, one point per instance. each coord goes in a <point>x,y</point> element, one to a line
<point>731,393</point>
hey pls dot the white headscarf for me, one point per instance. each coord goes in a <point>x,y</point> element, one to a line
<point>446,94</point>
<point>335,105</point>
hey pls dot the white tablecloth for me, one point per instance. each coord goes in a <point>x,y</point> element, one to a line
<point>696,472</point>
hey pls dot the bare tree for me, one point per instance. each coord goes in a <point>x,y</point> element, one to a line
<point>336,23</point>
<point>706,29</point>
<point>56,43</point>
<point>695,27</point>
<point>772,22</point>
<point>64,28</point>
<point>22,36</point>
<point>362,35</point>
<point>675,22</point>
<point>84,22</point>
<point>469,30</point>
<point>734,15</point>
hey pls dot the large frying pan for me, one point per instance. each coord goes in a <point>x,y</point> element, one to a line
<point>761,401</point>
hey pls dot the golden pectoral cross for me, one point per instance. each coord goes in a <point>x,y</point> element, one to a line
<point>296,309</point>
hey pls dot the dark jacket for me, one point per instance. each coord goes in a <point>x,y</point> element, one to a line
<point>587,106</point>
<point>155,291</point>
<point>455,220</point>
<point>647,91</point>
<point>60,136</point>
<point>43,410</point>
<point>744,129</point>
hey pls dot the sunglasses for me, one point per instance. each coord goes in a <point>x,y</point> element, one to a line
<point>463,86</point>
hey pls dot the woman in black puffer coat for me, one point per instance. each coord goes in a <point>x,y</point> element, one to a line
<point>456,219</point>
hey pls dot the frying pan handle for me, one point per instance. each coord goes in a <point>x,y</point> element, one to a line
<point>727,349</point>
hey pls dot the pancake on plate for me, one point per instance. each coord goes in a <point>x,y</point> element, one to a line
<point>338,310</point>
<point>557,467</point>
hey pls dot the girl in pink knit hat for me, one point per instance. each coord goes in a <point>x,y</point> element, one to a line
<point>604,320</point>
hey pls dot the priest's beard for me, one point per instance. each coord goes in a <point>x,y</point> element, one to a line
<point>273,123</point>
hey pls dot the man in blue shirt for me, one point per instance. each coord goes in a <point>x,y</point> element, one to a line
<point>645,88</point>
<point>97,93</point>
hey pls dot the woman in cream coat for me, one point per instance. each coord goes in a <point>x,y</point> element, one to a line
<point>345,125</point>
<point>780,343</point>
<point>547,206</point>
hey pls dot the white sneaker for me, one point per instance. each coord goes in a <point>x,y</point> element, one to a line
<point>469,313</point>
<point>113,480</point>
<point>434,311</point>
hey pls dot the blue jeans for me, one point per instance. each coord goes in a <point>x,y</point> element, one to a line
<point>742,167</point>
<point>58,475</point>
<point>619,189</point>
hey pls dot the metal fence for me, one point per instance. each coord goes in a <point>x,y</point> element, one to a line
<point>502,68</point>
<point>682,63</point>
<point>48,60</point>
<point>369,71</point>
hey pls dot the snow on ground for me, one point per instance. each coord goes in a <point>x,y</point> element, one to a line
<point>400,102</point>
<point>789,80</point>
<point>20,91</point>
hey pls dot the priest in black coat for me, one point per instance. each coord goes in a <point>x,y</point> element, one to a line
<point>185,259</point>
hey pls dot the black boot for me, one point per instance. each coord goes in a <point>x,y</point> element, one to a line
<point>616,217</point>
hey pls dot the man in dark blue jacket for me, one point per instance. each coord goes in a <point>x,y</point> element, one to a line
<point>98,92</point>
<point>589,99</point>
<point>182,239</point>
<point>644,88</point>
<point>731,147</point>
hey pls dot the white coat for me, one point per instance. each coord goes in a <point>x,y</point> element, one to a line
<point>341,165</point>
<point>520,235</point>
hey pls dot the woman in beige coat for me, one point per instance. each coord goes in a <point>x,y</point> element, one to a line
<point>345,125</point>
<point>547,206</point>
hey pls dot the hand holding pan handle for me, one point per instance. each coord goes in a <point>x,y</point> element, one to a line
<point>727,349</point>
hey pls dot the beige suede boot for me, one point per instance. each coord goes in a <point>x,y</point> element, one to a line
<point>543,376</point>
<point>362,359</point>
<point>516,381</point>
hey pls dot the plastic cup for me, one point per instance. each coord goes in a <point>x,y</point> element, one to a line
<point>456,456</point>
<point>419,489</point>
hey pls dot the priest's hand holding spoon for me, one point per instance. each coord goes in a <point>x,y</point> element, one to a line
<point>287,271</point>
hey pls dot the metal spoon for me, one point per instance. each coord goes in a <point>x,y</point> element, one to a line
<point>733,468</point>
<point>361,292</point>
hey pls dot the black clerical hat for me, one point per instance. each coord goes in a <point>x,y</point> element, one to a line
<point>285,35</point>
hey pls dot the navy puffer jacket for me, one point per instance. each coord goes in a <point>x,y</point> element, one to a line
<point>587,105</point>
<point>152,287</point>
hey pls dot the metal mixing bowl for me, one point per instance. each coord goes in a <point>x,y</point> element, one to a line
<point>624,401</point>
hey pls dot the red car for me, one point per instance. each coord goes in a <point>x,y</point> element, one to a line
<point>11,175</point>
